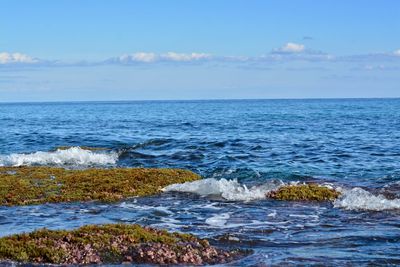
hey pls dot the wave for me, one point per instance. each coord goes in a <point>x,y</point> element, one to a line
<point>231,190</point>
<point>74,156</point>
<point>228,189</point>
<point>360,199</point>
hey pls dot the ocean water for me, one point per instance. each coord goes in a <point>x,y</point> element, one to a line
<point>243,149</point>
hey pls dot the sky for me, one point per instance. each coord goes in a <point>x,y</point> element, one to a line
<point>74,50</point>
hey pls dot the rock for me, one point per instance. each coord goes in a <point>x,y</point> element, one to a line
<point>302,192</point>
<point>113,244</point>
<point>35,185</point>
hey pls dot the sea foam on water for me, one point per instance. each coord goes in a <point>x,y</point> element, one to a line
<point>231,190</point>
<point>360,199</point>
<point>75,156</point>
<point>227,189</point>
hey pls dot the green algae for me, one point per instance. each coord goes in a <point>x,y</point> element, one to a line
<point>310,192</point>
<point>111,243</point>
<point>35,185</point>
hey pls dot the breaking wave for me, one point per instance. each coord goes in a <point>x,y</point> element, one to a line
<point>227,189</point>
<point>74,156</point>
<point>350,199</point>
<point>360,199</point>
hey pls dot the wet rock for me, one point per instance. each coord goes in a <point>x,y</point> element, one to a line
<point>113,243</point>
<point>303,192</point>
<point>35,185</point>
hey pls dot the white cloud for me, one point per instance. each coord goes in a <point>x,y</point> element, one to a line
<point>172,56</point>
<point>290,52</point>
<point>13,58</point>
<point>292,48</point>
<point>138,57</point>
<point>149,57</point>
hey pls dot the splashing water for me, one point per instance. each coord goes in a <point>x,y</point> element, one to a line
<point>74,156</point>
<point>360,199</point>
<point>227,189</point>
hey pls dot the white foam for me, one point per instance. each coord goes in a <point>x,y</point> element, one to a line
<point>360,199</point>
<point>72,156</point>
<point>218,220</point>
<point>350,199</point>
<point>272,214</point>
<point>133,206</point>
<point>227,189</point>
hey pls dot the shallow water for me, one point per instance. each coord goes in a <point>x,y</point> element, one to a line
<point>244,148</point>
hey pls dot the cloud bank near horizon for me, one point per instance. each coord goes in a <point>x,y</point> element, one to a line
<point>16,58</point>
<point>150,57</point>
<point>289,52</point>
<point>292,69</point>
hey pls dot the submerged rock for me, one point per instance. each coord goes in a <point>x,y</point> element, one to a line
<point>112,243</point>
<point>312,192</point>
<point>35,185</point>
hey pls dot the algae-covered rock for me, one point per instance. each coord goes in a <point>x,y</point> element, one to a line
<point>313,192</point>
<point>112,243</point>
<point>34,185</point>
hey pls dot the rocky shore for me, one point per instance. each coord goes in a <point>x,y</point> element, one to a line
<point>113,243</point>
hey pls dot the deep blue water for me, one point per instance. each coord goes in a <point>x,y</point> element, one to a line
<point>353,144</point>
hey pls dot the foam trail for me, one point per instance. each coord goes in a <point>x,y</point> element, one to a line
<point>74,156</point>
<point>360,199</point>
<point>227,189</point>
<point>218,220</point>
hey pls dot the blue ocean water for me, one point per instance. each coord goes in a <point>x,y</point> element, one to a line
<point>241,148</point>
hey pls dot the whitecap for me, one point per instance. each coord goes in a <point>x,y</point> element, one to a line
<point>272,214</point>
<point>74,156</point>
<point>218,220</point>
<point>227,189</point>
<point>360,199</point>
<point>350,199</point>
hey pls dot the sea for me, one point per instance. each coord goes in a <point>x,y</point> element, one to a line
<point>242,149</point>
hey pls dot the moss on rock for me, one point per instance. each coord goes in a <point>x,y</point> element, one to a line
<point>112,243</point>
<point>311,192</point>
<point>35,185</point>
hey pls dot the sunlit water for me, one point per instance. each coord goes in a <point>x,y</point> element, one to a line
<point>242,148</point>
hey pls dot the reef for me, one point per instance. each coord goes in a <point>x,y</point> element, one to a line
<point>304,192</point>
<point>112,243</point>
<point>36,185</point>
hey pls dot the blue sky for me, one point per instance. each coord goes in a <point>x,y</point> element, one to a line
<point>130,50</point>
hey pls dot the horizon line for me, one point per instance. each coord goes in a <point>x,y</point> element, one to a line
<point>193,100</point>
